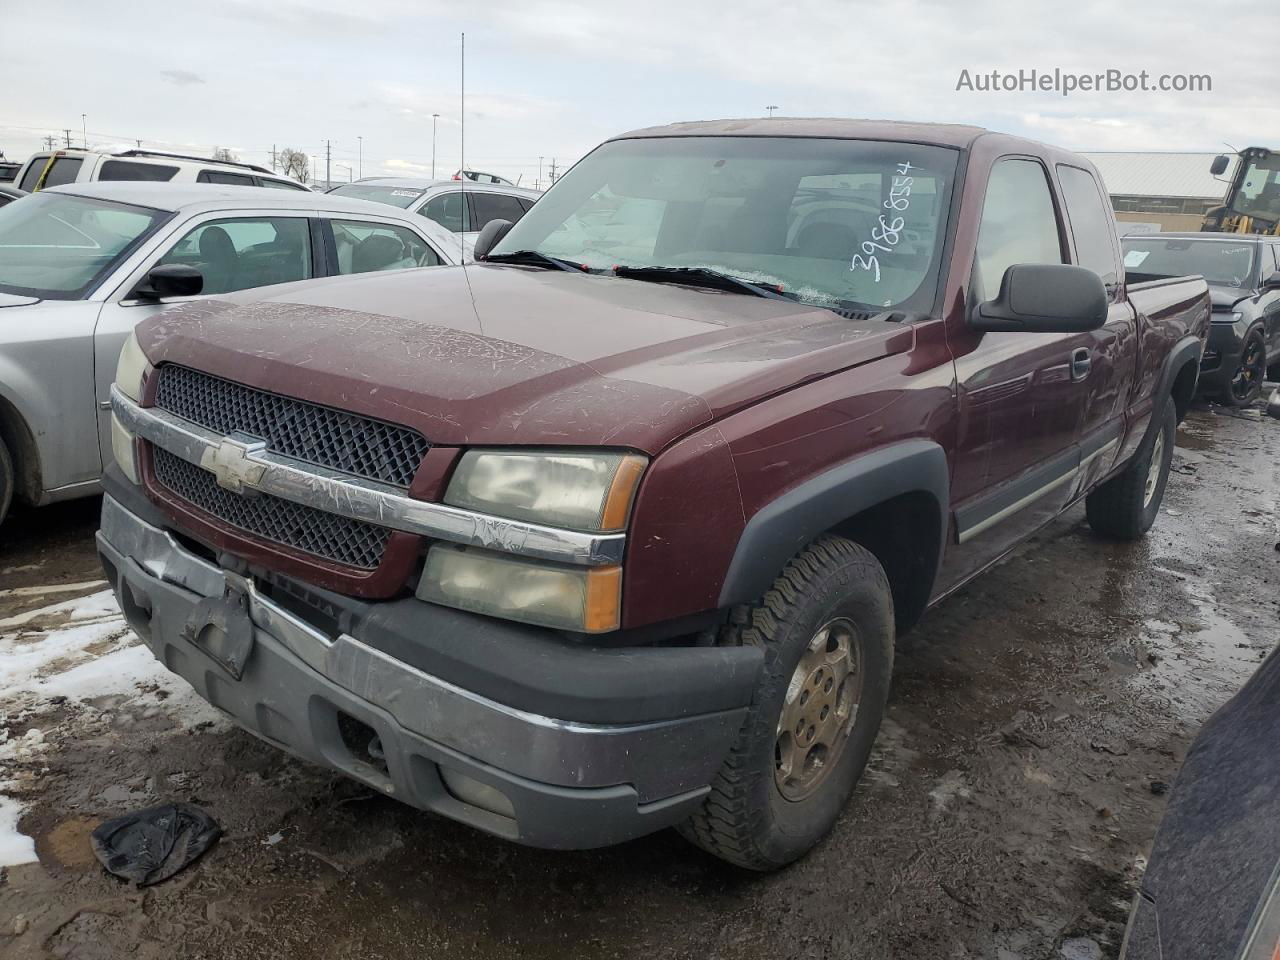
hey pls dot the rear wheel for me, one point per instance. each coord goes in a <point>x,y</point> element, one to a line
<point>6,481</point>
<point>1126,506</point>
<point>1245,385</point>
<point>826,628</point>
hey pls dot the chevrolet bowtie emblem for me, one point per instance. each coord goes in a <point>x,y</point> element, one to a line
<point>230,464</point>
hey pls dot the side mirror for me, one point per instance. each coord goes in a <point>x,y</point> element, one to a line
<point>1219,165</point>
<point>170,280</point>
<point>1272,282</point>
<point>1044,298</point>
<point>492,232</point>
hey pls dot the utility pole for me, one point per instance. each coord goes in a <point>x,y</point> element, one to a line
<point>771,109</point>
<point>328,156</point>
<point>50,142</point>
<point>273,158</point>
<point>553,172</point>
<point>84,130</point>
<point>360,158</point>
<point>434,118</point>
<point>139,143</point>
<point>67,132</point>
<point>539,184</point>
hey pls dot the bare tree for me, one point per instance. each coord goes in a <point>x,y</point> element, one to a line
<point>225,155</point>
<point>294,163</point>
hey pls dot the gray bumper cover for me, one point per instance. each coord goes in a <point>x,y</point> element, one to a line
<point>565,784</point>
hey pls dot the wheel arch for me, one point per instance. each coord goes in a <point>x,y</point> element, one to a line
<point>1180,375</point>
<point>21,444</point>
<point>893,500</point>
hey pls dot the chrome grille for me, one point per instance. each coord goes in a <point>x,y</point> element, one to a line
<point>306,431</point>
<point>350,542</point>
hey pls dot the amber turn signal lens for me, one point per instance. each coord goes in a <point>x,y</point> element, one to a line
<point>617,505</point>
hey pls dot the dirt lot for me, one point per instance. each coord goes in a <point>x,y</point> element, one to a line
<point>1035,720</point>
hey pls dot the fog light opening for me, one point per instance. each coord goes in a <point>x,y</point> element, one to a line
<point>471,791</point>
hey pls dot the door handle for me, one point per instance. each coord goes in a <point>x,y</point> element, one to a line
<point>1080,363</point>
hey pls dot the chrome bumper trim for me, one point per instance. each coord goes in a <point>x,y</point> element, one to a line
<point>250,467</point>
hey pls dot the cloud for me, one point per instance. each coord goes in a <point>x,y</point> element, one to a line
<point>182,78</point>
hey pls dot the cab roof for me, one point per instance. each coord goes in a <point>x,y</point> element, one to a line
<point>172,197</point>
<point>939,134</point>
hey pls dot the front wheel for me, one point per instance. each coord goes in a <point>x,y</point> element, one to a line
<point>6,480</point>
<point>826,628</point>
<point>1245,385</point>
<point>1125,506</point>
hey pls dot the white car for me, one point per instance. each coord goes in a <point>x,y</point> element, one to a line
<point>52,169</point>
<point>81,265</point>
<point>443,200</point>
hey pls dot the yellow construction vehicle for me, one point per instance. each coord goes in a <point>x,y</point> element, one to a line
<point>1252,203</point>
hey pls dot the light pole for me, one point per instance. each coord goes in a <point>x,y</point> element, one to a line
<point>360,160</point>
<point>771,108</point>
<point>84,130</point>
<point>434,117</point>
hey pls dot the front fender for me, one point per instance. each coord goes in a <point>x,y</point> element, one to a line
<point>779,530</point>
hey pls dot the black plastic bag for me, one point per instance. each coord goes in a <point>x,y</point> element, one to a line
<point>154,844</point>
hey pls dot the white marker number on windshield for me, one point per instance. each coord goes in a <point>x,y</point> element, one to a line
<point>885,236</point>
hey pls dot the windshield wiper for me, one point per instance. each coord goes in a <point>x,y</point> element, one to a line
<point>533,258</point>
<point>703,277</point>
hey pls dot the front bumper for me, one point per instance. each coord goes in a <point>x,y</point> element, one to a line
<point>323,695</point>
<point>1222,353</point>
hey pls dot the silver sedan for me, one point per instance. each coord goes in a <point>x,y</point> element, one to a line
<point>82,264</point>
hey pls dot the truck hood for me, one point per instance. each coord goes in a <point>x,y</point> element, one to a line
<point>1224,298</point>
<point>515,355</point>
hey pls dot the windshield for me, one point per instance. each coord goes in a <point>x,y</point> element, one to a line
<point>1224,263</point>
<point>832,222</point>
<point>1259,194</point>
<point>58,247</point>
<point>396,196</point>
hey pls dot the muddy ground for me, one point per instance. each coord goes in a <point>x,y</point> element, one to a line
<point>1017,784</point>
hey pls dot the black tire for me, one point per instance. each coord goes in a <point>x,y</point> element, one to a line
<point>1242,387</point>
<point>6,481</point>
<point>746,819</point>
<point>1120,508</point>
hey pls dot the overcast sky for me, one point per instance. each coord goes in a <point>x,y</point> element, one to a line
<point>552,78</point>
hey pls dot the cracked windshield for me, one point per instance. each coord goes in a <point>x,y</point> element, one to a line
<point>844,223</point>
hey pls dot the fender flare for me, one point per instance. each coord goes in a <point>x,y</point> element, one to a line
<point>1187,350</point>
<point>782,528</point>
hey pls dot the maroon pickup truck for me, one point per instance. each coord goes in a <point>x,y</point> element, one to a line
<point>614,530</point>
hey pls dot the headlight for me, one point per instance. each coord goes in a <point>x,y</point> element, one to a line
<point>569,489</point>
<point>582,599</point>
<point>130,369</point>
<point>1223,317</point>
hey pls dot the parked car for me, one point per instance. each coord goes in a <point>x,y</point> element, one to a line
<point>576,547</point>
<point>8,171</point>
<point>457,209</point>
<point>480,177</point>
<point>10,194</point>
<point>51,169</point>
<point>80,265</point>
<point>1212,886</point>
<point>1244,280</point>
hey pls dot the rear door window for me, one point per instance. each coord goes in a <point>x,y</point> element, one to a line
<point>129,170</point>
<point>494,206</point>
<point>240,254</point>
<point>280,184</point>
<point>220,176</point>
<point>1090,223</point>
<point>446,210</point>
<point>1018,223</point>
<point>63,170</point>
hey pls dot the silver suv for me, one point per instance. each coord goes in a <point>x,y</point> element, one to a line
<point>458,207</point>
